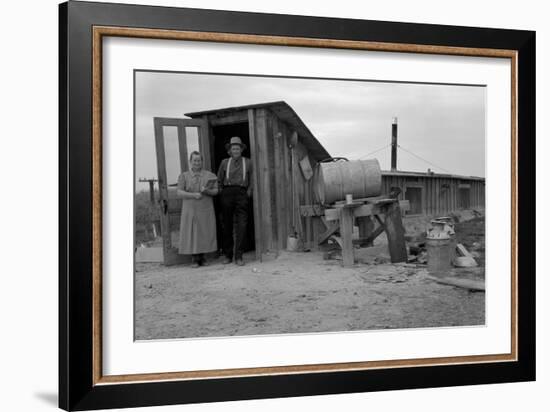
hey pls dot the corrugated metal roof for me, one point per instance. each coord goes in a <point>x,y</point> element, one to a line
<point>286,113</point>
<point>403,173</point>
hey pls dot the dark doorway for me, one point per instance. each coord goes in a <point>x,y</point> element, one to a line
<point>414,196</point>
<point>221,136</point>
<point>463,197</point>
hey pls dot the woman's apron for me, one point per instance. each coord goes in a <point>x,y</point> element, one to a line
<point>198,219</point>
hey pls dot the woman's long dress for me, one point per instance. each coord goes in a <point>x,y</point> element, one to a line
<point>198,220</point>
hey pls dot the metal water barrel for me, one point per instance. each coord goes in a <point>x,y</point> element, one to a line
<point>335,178</point>
<point>440,243</point>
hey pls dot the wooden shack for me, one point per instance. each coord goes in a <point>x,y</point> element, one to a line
<point>284,153</point>
<point>434,193</point>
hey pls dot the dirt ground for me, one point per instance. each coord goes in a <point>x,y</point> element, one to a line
<point>301,292</point>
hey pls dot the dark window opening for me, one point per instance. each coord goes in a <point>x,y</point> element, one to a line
<point>414,196</point>
<point>464,198</point>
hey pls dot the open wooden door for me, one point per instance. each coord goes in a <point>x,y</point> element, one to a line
<point>174,140</point>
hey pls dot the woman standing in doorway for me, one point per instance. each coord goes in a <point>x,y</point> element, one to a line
<point>196,188</point>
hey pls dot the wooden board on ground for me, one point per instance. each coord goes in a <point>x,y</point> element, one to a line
<point>149,254</point>
<point>469,284</point>
<point>461,249</point>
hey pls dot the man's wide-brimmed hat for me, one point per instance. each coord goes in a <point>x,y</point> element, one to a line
<point>235,140</point>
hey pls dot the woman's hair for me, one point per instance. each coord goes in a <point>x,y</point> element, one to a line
<point>193,153</point>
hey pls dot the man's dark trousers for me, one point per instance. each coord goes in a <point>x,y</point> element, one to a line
<point>234,201</point>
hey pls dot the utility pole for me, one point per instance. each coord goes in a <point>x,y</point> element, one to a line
<point>151,188</point>
<point>394,144</point>
<point>155,223</point>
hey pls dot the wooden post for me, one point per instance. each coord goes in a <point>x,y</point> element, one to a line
<point>287,179</point>
<point>163,188</point>
<point>308,229</point>
<point>151,188</point>
<point>278,171</point>
<point>255,185</point>
<point>205,144</point>
<point>296,217</point>
<point>152,191</point>
<point>394,144</point>
<point>264,179</point>
<point>395,233</point>
<point>346,230</point>
<point>182,144</point>
<point>293,190</point>
<point>212,140</point>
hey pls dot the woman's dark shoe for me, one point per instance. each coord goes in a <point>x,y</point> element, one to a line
<point>204,262</point>
<point>196,261</point>
<point>227,260</point>
<point>239,262</point>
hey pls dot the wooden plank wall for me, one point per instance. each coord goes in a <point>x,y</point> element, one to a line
<point>437,200</point>
<point>275,168</point>
<point>274,179</point>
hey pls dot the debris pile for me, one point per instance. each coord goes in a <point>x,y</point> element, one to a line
<point>435,254</point>
<point>437,247</point>
<point>464,259</point>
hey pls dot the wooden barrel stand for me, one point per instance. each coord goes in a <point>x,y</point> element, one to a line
<point>340,219</point>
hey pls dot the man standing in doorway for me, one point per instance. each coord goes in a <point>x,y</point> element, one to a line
<point>234,176</point>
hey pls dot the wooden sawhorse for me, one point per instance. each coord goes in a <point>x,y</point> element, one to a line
<point>387,212</point>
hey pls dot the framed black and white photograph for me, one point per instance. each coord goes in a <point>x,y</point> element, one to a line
<point>263,205</point>
<point>265,248</point>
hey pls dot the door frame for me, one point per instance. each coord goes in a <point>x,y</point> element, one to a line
<point>170,252</point>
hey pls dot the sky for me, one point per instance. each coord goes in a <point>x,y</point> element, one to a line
<point>441,127</point>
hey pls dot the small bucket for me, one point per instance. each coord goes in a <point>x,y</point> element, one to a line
<point>292,243</point>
